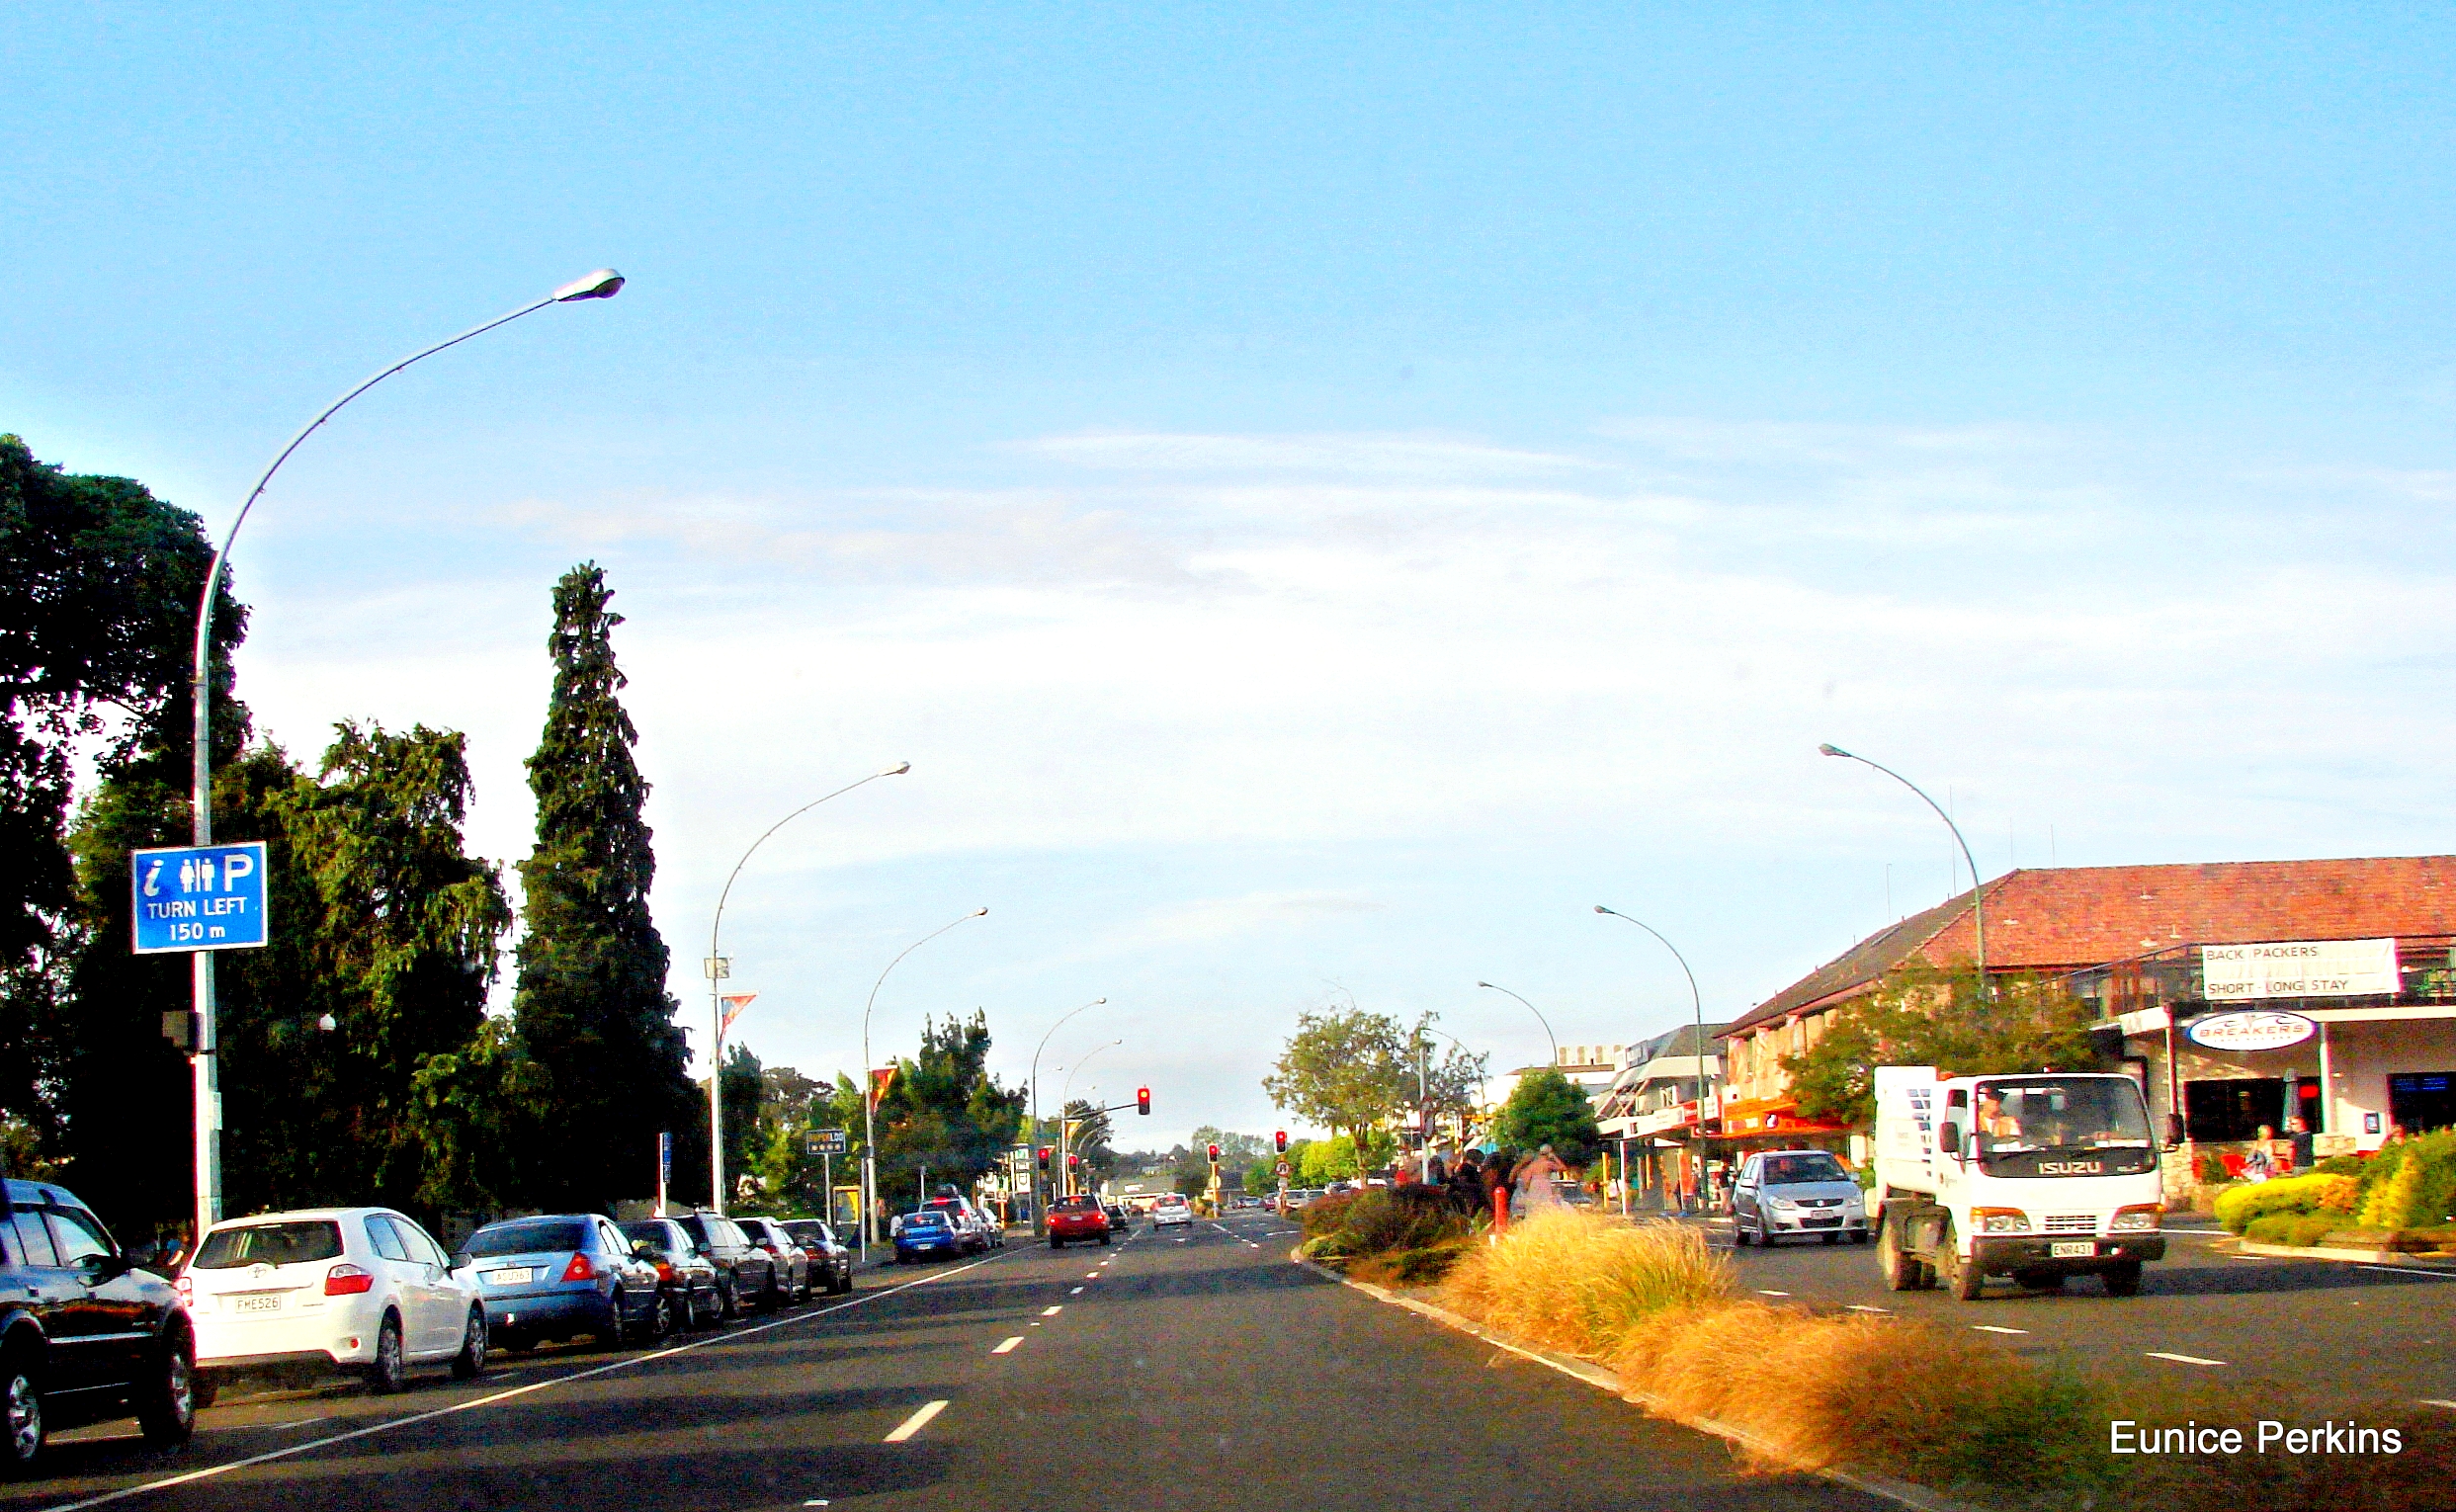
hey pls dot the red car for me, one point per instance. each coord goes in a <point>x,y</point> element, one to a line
<point>1076,1217</point>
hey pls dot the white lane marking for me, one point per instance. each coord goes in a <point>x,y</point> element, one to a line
<point>1091,1275</point>
<point>1054,1311</point>
<point>2159,1354</point>
<point>1770,1291</point>
<point>2437,1401</point>
<point>371,1428</point>
<point>1864,1308</point>
<point>2411,1270</point>
<point>295,1423</point>
<point>1997,1329</point>
<point>1077,1291</point>
<point>915,1423</point>
<point>1010,1346</point>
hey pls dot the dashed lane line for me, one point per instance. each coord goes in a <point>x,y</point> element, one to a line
<point>1077,1291</point>
<point>1008,1347</point>
<point>1770,1291</point>
<point>370,1430</point>
<point>1053,1312</point>
<point>915,1423</point>
<point>2159,1354</point>
<point>1864,1308</point>
<point>1997,1329</point>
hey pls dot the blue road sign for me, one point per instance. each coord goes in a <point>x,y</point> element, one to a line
<point>204,897</point>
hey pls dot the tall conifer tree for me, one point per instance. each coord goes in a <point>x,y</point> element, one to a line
<point>591,1003</point>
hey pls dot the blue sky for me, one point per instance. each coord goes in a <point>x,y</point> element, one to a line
<point>1321,495</point>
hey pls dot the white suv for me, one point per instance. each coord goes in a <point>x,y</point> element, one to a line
<point>329,1291</point>
<point>1171,1208</point>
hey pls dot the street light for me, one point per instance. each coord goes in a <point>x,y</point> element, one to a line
<point>870,1093</point>
<point>1978,888</point>
<point>1066,1094</point>
<point>1696,1004</point>
<point>1039,1219</point>
<point>715,1005</point>
<point>600,284</point>
<point>1538,1018</point>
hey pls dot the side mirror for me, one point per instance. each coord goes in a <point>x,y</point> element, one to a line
<point>1949,1139</point>
<point>459,1260</point>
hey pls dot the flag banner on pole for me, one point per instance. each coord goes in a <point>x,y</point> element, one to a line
<point>735,1003</point>
<point>881,1078</point>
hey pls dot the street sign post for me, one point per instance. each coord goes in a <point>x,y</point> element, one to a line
<point>825,1142</point>
<point>664,1168</point>
<point>200,898</point>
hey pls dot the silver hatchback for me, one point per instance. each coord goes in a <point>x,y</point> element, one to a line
<point>1783,1193</point>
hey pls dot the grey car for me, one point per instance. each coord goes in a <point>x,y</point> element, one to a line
<point>1782,1193</point>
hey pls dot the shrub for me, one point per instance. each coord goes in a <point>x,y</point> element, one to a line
<point>1578,1282</point>
<point>2211,1171</point>
<point>1380,1219</point>
<point>2411,1184</point>
<point>2341,1165</point>
<point>2237,1206</point>
<point>2302,1228</point>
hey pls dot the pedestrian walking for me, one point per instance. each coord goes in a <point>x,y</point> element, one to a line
<point>1534,1182</point>
<point>2297,1134</point>
<point>1467,1186</point>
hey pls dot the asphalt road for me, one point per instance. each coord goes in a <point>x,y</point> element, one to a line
<point>1183,1369</point>
<point>2340,1331</point>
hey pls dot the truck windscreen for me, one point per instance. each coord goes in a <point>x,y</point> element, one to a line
<point>2061,1125</point>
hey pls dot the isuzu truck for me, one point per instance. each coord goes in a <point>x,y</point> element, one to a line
<point>2038,1177</point>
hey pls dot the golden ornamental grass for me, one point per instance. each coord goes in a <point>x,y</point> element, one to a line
<point>1579,1283</point>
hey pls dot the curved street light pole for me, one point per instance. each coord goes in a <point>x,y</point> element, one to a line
<point>715,989</point>
<point>1066,1142</point>
<point>1033,1139</point>
<point>870,1095</point>
<point>1978,888</point>
<point>1538,1018</point>
<point>604,283</point>
<point>1696,1004</point>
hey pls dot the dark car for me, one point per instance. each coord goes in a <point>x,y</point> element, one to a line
<point>560,1276</point>
<point>790,1282</point>
<point>745,1273</point>
<point>1120,1218</point>
<point>971,1225</point>
<point>1075,1219</point>
<point>689,1276</point>
<point>84,1334</point>
<point>831,1263</point>
<point>929,1235</point>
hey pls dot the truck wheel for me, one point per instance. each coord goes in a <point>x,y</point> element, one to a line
<point>1963,1276</point>
<point>2124,1280</point>
<point>1902,1272</point>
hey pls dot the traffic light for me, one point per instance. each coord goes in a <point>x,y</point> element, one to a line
<point>1043,1159</point>
<point>1281,1139</point>
<point>1214,1153</point>
<point>1073,1160</point>
<point>1142,1099</point>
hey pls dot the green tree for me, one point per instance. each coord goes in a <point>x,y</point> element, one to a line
<point>1547,1108</point>
<point>1343,1070</point>
<point>591,1002</point>
<point>945,1112</point>
<point>98,583</point>
<point>1921,1014</point>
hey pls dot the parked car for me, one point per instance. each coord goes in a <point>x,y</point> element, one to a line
<point>789,1279</point>
<point>972,1225</point>
<point>1120,1218</point>
<point>925,1235</point>
<point>744,1271</point>
<point>1783,1192</point>
<point>574,1273</point>
<point>1075,1219</point>
<point>689,1276</point>
<point>831,1262</point>
<point>321,1291</point>
<point>85,1335</point>
<point>1171,1208</point>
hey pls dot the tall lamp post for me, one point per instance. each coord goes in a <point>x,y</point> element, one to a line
<point>1539,1017</point>
<point>870,1091</point>
<point>1978,888</point>
<point>1038,1219</point>
<point>1696,1004</point>
<point>1066,1142</point>
<point>716,987</point>
<point>601,285</point>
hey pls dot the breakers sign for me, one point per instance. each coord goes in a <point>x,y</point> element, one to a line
<point>2299,969</point>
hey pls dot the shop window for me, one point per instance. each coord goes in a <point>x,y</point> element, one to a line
<point>2421,1101</point>
<point>2232,1110</point>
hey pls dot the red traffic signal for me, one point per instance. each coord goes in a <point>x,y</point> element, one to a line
<point>1072,1160</point>
<point>1281,1139</point>
<point>1044,1157</point>
<point>1142,1099</point>
<point>1214,1153</point>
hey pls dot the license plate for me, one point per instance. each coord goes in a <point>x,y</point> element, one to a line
<point>511,1278</point>
<point>2081,1249</point>
<point>265,1303</point>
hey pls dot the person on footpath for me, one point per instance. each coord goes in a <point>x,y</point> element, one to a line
<point>1466,1182</point>
<point>2297,1134</point>
<point>1534,1182</point>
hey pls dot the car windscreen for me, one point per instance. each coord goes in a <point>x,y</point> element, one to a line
<point>1800,1170</point>
<point>926,1221</point>
<point>1074,1205</point>
<point>291,1244</point>
<point>807,1232</point>
<point>525,1239</point>
<point>657,1235</point>
<point>2060,1126</point>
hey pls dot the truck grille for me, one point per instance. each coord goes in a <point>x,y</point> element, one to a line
<point>2071,1222</point>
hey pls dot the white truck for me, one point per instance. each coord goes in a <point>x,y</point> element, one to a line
<point>2037,1176</point>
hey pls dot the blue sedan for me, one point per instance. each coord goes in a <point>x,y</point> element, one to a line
<point>558,1277</point>
<point>920,1235</point>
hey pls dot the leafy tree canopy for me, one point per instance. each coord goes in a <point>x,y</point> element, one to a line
<point>1343,1069</point>
<point>1924,1014</point>
<point>1547,1108</point>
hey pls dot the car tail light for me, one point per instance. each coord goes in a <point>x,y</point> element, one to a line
<point>579,1269</point>
<point>347,1280</point>
<point>664,1270</point>
<point>186,1289</point>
